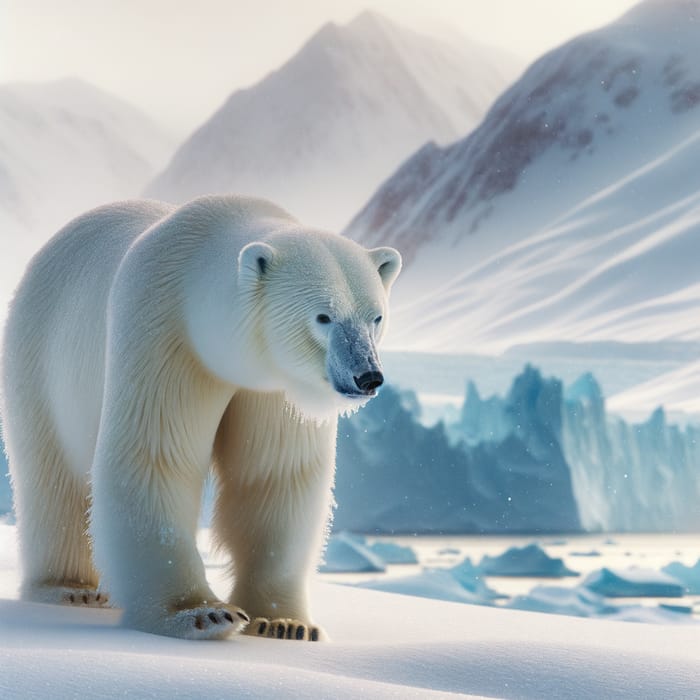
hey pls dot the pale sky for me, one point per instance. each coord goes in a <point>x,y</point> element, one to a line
<point>178,60</point>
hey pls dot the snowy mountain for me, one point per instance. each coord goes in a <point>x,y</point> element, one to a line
<point>320,133</point>
<point>571,213</point>
<point>677,390</point>
<point>65,146</point>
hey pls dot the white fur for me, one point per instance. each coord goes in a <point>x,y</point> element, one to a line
<point>143,341</point>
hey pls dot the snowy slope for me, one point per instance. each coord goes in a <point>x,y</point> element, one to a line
<point>65,146</point>
<point>677,390</point>
<point>385,646</point>
<point>320,133</point>
<point>572,212</point>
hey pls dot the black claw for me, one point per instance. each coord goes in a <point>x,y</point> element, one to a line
<point>290,631</point>
<point>97,597</point>
<point>300,632</point>
<point>228,616</point>
<point>198,623</point>
<point>71,597</point>
<point>243,616</point>
<point>213,617</point>
<point>262,627</point>
<point>314,635</point>
<point>85,598</point>
<point>280,631</point>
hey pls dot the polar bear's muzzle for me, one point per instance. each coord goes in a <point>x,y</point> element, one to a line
<point>352,363</point>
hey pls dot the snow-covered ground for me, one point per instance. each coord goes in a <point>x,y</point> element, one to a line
<point>384,646</point>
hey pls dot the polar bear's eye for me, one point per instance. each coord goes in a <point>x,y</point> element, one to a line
<point>323,318</point>
<point>377,320</point>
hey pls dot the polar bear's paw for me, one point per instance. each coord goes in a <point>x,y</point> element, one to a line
<point>90,597</point>
<point>79,595</point>
<point>216,621</point>
<point>285,628</point>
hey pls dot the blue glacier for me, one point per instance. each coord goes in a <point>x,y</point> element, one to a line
<point>544,458</point>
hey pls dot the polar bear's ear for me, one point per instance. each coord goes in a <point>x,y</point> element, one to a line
<point>388,262</point>
<point>254,262</point>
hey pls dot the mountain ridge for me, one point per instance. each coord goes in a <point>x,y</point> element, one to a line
<point>317,134</point>
<point>569,214</point>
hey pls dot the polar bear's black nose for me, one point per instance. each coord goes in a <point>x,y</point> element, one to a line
<point>369,381</point>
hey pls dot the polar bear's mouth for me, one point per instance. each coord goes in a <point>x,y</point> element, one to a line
<point>358,394</point>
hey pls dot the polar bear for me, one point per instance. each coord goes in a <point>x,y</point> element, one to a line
<point>147,342</point>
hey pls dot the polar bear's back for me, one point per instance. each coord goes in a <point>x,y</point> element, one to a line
<point>55,335</point>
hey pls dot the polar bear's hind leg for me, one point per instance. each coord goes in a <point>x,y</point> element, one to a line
<point>51,505</point>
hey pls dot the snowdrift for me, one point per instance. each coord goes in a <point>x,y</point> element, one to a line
<point>385,646</point>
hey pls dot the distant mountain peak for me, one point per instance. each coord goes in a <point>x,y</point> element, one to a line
<point>573,101</point>
<point>654,13</point>
<point>369,19</point>
<point>320,132</point>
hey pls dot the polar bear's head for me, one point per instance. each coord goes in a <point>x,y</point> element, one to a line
<point>321,303</point>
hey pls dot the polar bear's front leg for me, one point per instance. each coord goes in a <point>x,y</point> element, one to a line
<point>144,535</point>
<point>153,451</point>
<point>275,474</point>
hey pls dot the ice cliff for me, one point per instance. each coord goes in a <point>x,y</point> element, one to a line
<point>542,459</point>
<point>395,475</point>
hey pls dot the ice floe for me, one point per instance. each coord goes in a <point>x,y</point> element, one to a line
<point>530,560</point>
<point>347,553</point>
<point>688,576</point>
<point>633,582</point>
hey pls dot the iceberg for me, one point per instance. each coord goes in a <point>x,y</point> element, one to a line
<point>688,576</point>
<point>629,477</point>
<point>463,583</point>
<point>542,459</point>
<point>468,575</point>
<point>657,615</point>
<point>397,476</point>
<point>633,582</point>
<point>346,553</point>
<point>393,553</point>
<point>530,560</point>
<point>449,551</point>
<point>576,601</point>
<point>5,490</point>
<point>438,584</point>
